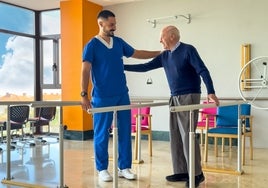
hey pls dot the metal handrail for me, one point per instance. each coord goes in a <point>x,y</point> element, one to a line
<point>7,180</point>
<point>200,106</point>
<point>70,103</point>
<point>190,108</point>
<point>114,109</point>
<point>124,107</point>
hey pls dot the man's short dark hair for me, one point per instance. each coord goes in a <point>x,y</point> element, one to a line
<point>105,14</point>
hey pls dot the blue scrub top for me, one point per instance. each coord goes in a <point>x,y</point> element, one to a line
<point>107,72</point>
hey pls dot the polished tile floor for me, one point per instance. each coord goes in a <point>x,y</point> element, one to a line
<point>39,167</point>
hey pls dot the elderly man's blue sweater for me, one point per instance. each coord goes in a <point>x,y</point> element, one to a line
<point>183,68</point>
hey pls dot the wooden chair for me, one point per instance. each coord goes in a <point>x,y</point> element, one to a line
<point>146,127</point>
<point>207,118</point>
<point>227,127</point>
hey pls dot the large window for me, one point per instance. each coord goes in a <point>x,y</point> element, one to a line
<point>50,61</point>
<point>30,65</point>
<point>50,22</point>
<point>50,77</point>
<point>16,53</point>
<point>16,67</point>
<point>16,19</point>
<point>50,64</point>
<point>50,50</point>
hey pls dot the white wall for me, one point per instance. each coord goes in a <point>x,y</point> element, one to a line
<point>217,30</point>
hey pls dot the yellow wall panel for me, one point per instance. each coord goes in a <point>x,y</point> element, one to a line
<point>78,25</point>
<point>245,58</point>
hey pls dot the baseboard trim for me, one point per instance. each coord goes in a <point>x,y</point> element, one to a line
<point>87,135</point>
<point>78,135</point>
<point>156,135</point>
<point>160,135</point>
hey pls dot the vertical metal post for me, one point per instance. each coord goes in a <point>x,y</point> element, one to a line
<point>61,156</point>
<point>191,151</point>
<point>8,144</point>
<point>61,151</point>
<point>239,136</point>
<point>115,145</point>
<point>139,134</point>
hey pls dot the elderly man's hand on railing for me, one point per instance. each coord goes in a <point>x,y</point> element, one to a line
<point>214,98</point>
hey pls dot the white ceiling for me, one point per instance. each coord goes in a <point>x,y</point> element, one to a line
<point>53,4</point>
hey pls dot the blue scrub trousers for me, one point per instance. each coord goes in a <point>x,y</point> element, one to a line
<point>102,124</point>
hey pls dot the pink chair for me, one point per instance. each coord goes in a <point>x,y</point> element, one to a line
<point>207,119</point>
<point>146,128</point>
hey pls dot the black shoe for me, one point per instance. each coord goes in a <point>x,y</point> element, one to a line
<point>178,177</point>
<point>198,179</point>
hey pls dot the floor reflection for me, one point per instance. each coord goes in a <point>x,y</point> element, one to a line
<point>37,164</point>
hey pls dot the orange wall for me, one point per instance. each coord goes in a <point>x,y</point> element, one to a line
<point>78,25</point>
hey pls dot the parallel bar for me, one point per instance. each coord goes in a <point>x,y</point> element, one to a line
<point>200,106</point>
<point>61,104</point>
<point>5,103</point>
<point>125,107</point>
<point>115,109</point>
<point>22,184</point>
<point>191,150</point>
<point>34,104</point>
<point>223,171</point>
<point>139,135</point>
<point>239,146</point>
<point>54,103</point>
<point>115,144</point>
<point>61,157</point>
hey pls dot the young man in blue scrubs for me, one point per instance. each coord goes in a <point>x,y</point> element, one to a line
<point>103,64</point>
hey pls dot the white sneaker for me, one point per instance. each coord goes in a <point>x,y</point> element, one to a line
<point>105,176</point>
<point>126,173</point>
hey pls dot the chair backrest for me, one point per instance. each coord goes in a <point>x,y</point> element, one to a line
<point>47,113</point>
<point>205,111</point>
<point>227,116</point>
<point>144,120</point>
<point>19,115</point>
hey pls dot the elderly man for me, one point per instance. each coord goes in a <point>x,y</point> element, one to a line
<point>184,69</point>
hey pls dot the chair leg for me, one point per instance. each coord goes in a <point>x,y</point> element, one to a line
<point>150,144</point>
<point>201,137</point>
<point>251,147</point>
<point>222,144</point>
<point>206,149</point>
<point>136,147</point>
<point>216,146</point>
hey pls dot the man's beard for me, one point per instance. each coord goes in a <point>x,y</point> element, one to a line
<point>110,33</point>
